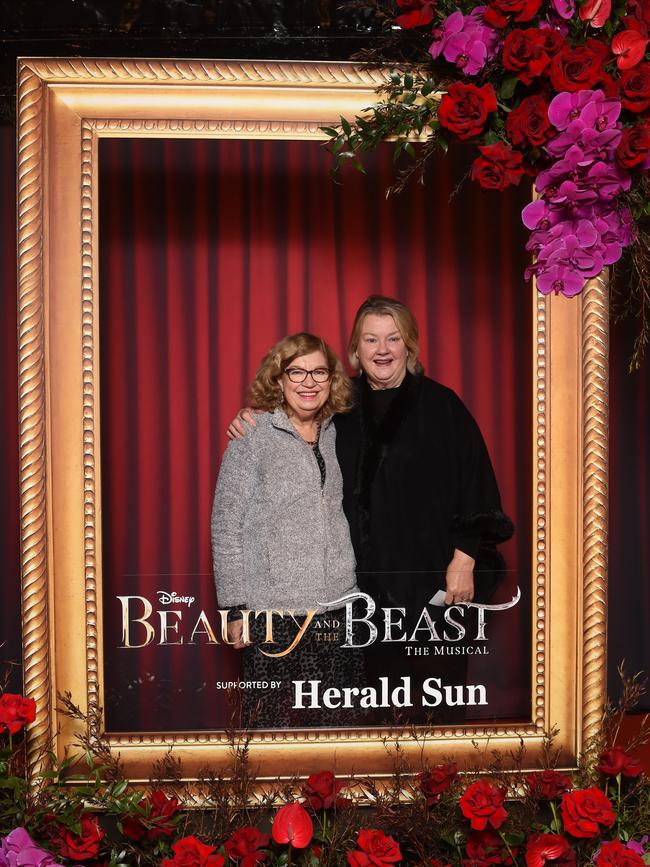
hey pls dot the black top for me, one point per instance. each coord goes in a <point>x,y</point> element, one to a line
<point>417,483</point>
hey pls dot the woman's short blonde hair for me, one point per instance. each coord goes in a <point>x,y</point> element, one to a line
<point>265,391</point>
<point>382,305</point>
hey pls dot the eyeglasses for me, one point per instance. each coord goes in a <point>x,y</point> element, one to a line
<point>297,374</point>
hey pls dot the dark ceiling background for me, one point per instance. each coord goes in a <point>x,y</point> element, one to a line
<point>251,29</point>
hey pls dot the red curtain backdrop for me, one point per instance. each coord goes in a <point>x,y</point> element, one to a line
<point>210,252</point>
<point>157,503</point>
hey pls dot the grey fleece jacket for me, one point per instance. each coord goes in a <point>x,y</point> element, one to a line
<point>279,540</point>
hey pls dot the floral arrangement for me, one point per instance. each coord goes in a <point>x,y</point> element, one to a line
<point>556,90</point>
<point>598,815</point>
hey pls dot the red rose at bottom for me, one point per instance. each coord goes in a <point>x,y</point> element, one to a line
<point>292,825</point>
<point>498,167</point>
<point>615,854</point>
<point>190,852</point>
<point>80,847</point>
<point>486,847</point>
<point>376,848</point>
<point>245,846</point>
<point>585,810</point>
<point>482,805</point>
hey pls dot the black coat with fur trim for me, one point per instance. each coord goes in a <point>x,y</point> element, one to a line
<point>417,484</point>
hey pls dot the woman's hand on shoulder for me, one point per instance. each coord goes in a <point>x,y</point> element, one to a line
<point>237,427</point>
<point>460,578</point>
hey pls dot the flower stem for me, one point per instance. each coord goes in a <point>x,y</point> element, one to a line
<point>556,824</point>
<point>507,845</point>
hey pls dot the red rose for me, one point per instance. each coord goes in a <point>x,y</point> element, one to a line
<point>244,846</point>
<point>529,123</point>
<point>157,822</point>
<point>617,761</point>
<point>585,810</point>
<point>485,847</point>
<point>615,854</point>
<point>578,67</point>
<point>80,847</point>
<point>638,11</point>
<point>376,848</point>
<point>16,712</point>
<point>633,150</point>
<point>548,784</point>
<point>482,805</point>
<point>465,107</point>
<point>552,41</point>
<point>321,790</point>
<point>635,88</point>
<point>418,12</point>
<point>437,862</point>
<point>498,167</point>
<point>549,848</point>
<point>499,12</point>
<point>436,781</point>
<point>523,53</point>
<point>190,852</point>
<point>292,825</point>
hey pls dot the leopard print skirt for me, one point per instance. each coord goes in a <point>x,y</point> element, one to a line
<point>319,656</point>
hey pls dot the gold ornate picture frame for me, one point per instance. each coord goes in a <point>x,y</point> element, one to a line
<point>65,107</point>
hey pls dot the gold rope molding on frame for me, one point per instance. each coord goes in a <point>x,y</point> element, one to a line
<point>33,514</point>
<point>208,71</point>
<point>595,314</point>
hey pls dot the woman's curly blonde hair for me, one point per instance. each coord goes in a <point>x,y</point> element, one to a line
<point>265,391</point>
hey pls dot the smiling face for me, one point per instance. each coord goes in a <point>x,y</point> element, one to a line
<point>381,351</point>
<point>305,399</point>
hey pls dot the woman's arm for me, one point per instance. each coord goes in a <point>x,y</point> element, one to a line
<point>236,486</point>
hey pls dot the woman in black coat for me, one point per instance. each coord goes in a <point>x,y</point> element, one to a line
<point>419,494</point>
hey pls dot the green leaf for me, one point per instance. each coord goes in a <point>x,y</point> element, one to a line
<point>507,89</point>
<point>395,78</point>
<point>491,137</point>
<point>120,788</point>
<point>427,87</point>
<point>347,129</point>
<point>408,81</point>
<point>410,150</point>
<point>330,131</point>
<point>443,144</point>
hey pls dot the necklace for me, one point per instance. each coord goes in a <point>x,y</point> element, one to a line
<point>310,443</point>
